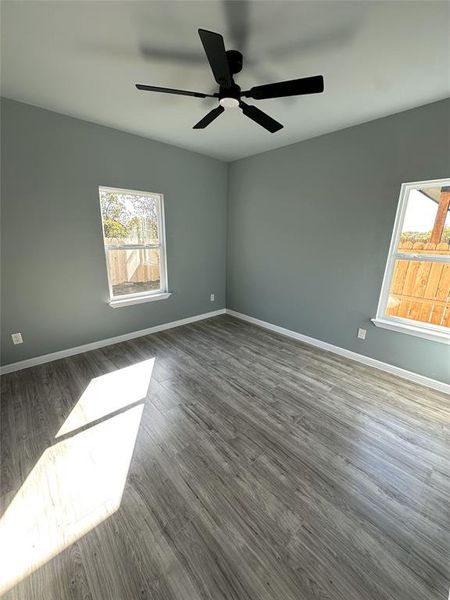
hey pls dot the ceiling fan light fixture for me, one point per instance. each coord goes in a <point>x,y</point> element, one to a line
<point>229,102</point>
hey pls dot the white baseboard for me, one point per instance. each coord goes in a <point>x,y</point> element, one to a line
<point>366,360</point>
<point>372,362</point>
<point>38,360</point>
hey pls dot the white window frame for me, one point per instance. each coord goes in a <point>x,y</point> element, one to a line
<point>138,298</point>
<point>428,331</point>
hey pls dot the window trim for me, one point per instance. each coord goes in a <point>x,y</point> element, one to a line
<point>428,331</point>
<point>127,301</point>
<point>137,298</point>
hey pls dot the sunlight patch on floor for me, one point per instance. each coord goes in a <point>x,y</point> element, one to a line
<point>109,393</point>
<point>79,481</point>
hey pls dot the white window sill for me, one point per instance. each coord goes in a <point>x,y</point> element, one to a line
<point>139,299</point>
<point>428,334</point>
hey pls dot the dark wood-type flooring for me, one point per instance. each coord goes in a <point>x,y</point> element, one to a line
<point>263,469</point>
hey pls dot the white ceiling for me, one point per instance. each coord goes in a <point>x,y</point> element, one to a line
<point>82,58</point>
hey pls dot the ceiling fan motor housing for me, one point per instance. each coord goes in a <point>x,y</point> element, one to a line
<point>235,61</point>
<point>230,95</point>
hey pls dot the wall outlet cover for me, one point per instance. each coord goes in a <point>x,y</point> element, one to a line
<point>17,338</point>
<point>212,297</point>
<point>362,334</point>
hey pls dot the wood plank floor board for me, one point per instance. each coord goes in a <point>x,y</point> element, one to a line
<point>63,577</point>
<point>263,469</point>
<point>345,485</point>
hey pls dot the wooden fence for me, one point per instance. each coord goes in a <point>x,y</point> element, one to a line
<point>136,266</point>
<point>420,290</point>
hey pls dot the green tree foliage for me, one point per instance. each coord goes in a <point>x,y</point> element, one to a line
<point>114,216</point>
<point>138,224</point>
<point>143,225</point>
<point>424,236</point>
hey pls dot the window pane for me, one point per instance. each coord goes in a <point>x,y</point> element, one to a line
<point>134,271</point>
<point>130,218</point>
<point>426,224</point>
<point>420,291</point>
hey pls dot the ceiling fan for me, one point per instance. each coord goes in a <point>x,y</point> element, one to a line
<point>226,63</point>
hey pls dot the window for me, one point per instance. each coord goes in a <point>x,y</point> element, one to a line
<point>134,238</point>
<point>415,296</point>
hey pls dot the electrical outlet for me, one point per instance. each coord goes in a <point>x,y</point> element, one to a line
<point>212,297</point>
<point>362,334</point>
<point>17,338</point>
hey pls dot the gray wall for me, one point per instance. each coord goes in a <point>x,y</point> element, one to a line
<point>308,230</point>
<point>309,227</point>
<point>54,284</point>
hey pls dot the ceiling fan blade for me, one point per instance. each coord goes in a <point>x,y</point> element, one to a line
<point>209,118</point>
<point>154,88</point>
<point>260,117</point>
<point>215,52</point>
<point>294,87</point>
